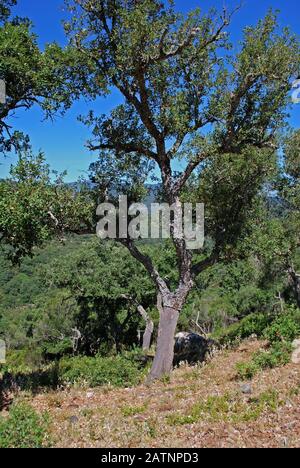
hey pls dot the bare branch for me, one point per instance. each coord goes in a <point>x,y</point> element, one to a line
<point>192,165</point>
<point>147,262</point>
<point>204,264</point>
<point>178,49</point>
<point>127,148</point>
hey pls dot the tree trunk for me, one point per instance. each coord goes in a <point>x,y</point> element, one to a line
<point>295,280</point>
<point>149,328</point>
<point>163,361</point>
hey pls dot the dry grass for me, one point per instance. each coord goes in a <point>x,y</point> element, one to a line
<point>200,407</point>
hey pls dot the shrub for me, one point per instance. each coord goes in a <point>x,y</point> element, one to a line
<point>25,359</point>
<point>252,324</point>
<point>246,370</point>
<point>286,327</point>
<point>23,428</point>
<point>118,371</point>
<point>24,378</point>
<point>278,355</point>
<point>227,408</point>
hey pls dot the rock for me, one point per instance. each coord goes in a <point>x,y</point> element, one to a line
<point>90,395</point>
<point>285,442</point>
<point>253,337</point>
<point>191,348</point>
<point>2,352</point>
<point>296,344</point>
<point>73,419</point>
<point>246,389</point>
<point>296,352</point>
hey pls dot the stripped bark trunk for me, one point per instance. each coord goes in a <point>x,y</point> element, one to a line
<point>149,328</point>
<point>169,310</point>
<point>163,361</point>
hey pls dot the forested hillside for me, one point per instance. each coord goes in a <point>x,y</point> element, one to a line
<point>155,300</point>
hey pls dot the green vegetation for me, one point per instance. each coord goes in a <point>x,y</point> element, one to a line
<point>133,410</point>
<point>118,371</point>
<point>280,333</point>
<point>24,428</point>
<point>227,408</point>
<point>278,355</point>
<point>286,327</point>
<point>70,304</point>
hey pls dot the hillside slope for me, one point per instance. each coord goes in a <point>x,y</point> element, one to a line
<point>199,407</point>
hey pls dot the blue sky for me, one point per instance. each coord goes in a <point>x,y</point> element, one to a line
<point>63,140</point>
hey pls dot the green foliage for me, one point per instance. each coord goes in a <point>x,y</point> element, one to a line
<point>246,370</point>
<point>33,209</point>
<point>32,76</point>
<point>284,328</point>
<point>23,428</point>
<point>278,355</point>
<point>5,8</point>
<point>227,408</point>
<point>118,371</point>
<point>252,324</point>
<point>133,410</point>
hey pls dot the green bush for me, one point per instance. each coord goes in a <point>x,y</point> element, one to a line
<point>28,379</point>
<point>246,370</point>
<point>283,327</point>
<point>286,327</point>
<point>252,324</point>
<point>23,428</point>
<point>278,355</point>
<point>118,371</point>
<point>24,359</point>
<point>122,370</point>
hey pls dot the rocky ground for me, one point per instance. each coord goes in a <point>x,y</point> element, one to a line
<point>200,407</point>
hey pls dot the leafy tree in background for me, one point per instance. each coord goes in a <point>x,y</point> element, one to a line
<point>5,7</point>
<point>33,208</point>
<point>184,98</point>
<point>32,76</point>
<point>107,299</point>
<point>289,191</point>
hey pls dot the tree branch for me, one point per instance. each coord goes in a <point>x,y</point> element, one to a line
<point>177,50</point>
<point>127,148</point>
<point>192,165</point>
<point>204,264</point>
<point>147,262</point>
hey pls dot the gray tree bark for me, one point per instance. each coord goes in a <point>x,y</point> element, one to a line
<point>163,361</point>
<point>149,328</point>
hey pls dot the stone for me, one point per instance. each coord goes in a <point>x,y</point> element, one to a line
<point>90,395</point>
<point>2,352</point>
<point>246,389</point>
<point>296,352</point>
<point>296,344</point>
<point>191,348</point>
<point>73,419</point>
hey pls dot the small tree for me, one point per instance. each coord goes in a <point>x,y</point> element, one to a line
<point>34,208</point>
<point>30,75</point>
<point>184,97</point>
<point>289,190</point>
